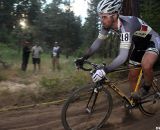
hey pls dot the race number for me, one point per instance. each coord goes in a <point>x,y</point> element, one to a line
<point>125,37</point>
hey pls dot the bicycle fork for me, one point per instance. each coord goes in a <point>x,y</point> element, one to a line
<point>91,104</point>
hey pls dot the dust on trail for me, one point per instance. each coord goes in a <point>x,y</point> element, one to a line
<point>15,86</point>
<point>48,118</point>
<point>13,93</point>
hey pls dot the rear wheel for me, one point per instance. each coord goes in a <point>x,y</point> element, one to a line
<point>87,109</point>
<point>151,103</point>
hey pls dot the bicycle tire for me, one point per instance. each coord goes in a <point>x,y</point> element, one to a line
<point>71,118</point>
<point>150,108</point>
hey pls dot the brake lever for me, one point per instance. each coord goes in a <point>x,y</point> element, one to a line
<point>92,72</point>
<point>104,64</point>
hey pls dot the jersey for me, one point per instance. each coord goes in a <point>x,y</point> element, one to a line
<point>131,31</point>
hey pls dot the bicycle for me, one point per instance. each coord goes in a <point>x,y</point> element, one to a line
<point>88,108</point>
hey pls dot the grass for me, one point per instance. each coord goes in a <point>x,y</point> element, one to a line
<point>9,55</point>
<point>47,85</point>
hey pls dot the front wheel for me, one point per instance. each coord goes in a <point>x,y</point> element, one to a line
<point>87,109</point>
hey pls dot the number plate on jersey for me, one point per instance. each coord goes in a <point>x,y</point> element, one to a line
<point>125,40</point>
<point>125,37</point>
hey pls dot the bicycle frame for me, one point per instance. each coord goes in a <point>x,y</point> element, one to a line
<point>95,93</point>
<point>131,101</point>
<point>121,94</point>
<point>94,101</point>
<point>113,87</point>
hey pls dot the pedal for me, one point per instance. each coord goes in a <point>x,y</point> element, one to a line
<point>157,95</point>
<point>88,111</point>
<point>95,90</point>
<point>127,105</point>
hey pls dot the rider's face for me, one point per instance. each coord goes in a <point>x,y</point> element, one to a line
<point>106,20</point>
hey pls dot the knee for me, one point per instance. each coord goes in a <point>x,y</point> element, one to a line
<point>147,67</point>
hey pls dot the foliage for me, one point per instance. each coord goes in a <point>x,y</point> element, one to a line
<point>47,23</point>
<point>8,54</point>
<point>149,11</point>
<point>58,25</point>
<point>91,26</point>
<point>63,82</point>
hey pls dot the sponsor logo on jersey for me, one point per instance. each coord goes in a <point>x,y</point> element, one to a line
<point>144,28</point>
<point>143,32</point>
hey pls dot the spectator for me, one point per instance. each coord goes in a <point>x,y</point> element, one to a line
<point>25,55</point>
<point>55,56</point>
<point>36,56</point>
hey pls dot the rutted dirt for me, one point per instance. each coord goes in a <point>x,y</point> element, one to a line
<point>48,118</point>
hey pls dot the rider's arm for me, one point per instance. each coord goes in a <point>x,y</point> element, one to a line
<point>125,45</point>
<point>94,47</point>
<point>96,44</point>
<point>119,60</point>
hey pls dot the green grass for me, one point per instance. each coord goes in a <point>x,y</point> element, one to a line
<point>9,55</point>
<point>48,85</point>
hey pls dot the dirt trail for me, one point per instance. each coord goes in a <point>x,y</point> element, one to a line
<point>48,118</point>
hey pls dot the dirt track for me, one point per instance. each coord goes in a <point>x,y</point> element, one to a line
<point>48,118</point>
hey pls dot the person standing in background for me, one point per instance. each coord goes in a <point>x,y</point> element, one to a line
<point>25,55</point>
<point>55,56</point>
<point>36,56</point>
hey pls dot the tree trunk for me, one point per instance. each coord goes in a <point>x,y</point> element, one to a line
<point>135,7</point>
<point>126,9</point>
<point>130,8</point>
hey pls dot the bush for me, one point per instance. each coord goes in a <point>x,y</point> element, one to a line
<point>63,84</point>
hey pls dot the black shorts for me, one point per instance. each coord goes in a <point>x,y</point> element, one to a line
<point>36,60</point>
<point>142,45</point>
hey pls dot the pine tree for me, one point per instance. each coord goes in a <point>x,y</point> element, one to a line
<point>91,27</point>
<point>150,13</point>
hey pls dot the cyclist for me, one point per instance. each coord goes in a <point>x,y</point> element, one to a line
<point>132,31</point>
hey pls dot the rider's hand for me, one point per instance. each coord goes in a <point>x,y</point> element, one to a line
<point>98,75</point>
<point>79,62</point>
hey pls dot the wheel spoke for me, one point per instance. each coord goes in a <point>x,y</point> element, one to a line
<point>79,117</point>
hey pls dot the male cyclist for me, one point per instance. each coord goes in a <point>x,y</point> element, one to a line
<point>132,31</point>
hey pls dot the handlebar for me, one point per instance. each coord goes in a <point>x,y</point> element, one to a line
<point>93,66</point>
<point>100,66</point>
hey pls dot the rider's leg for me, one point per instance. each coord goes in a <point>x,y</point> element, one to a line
<point>133,76</point>
<point>148,62</point>
<point>135,60</point>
